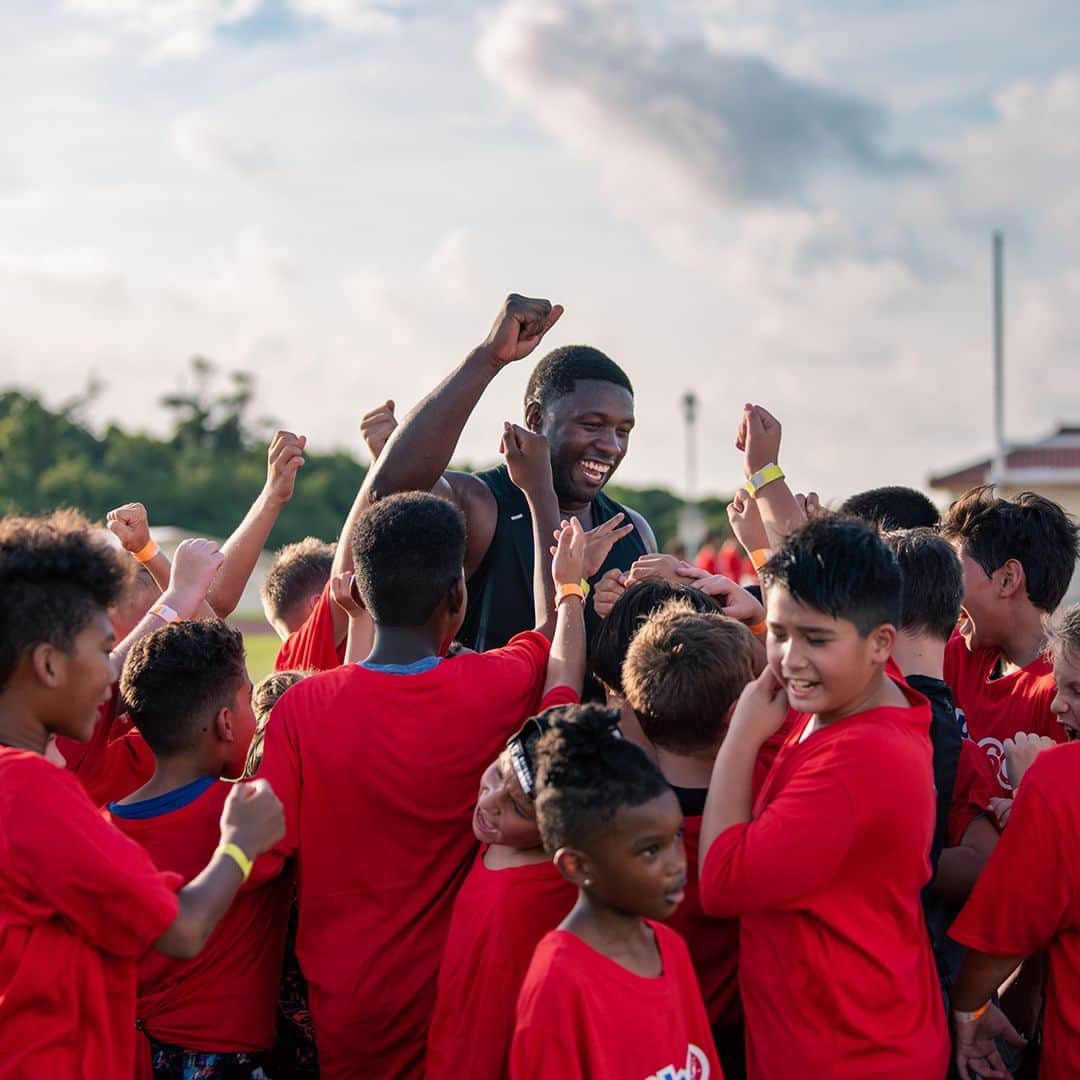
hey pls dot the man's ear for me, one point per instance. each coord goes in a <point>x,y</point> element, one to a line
<point>223,725</point>
<point>882,639</point>
<point>49,665</point>
<point>534,416</point>
<point>574,866</point>
<point>1011,579</point>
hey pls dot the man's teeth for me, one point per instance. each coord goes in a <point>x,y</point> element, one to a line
<point>596,468</point>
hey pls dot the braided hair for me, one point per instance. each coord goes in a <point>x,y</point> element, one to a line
<point>586,773</point>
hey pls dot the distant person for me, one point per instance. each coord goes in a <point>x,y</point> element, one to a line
<point>581,401</point>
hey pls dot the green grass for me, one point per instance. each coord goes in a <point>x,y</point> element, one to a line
<point>261,649</point>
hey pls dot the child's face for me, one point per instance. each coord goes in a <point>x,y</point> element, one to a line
<point>981,613</point>
<point>243,728</point>
<point>638,864</point>
<point>825,664</point>
<point>87,680</point>
<point>1066,703</point>
<point>503,814</point>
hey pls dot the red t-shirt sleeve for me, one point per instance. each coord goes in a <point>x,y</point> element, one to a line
<point>975,786</point>
<point>1024,894</point>
<point>98,880</point>
<point>313,647</point>
<point>794,847</point>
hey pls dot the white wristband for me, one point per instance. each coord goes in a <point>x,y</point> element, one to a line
<point>163,611</point>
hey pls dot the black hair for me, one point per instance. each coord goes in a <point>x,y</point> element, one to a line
<point>56,574</point>
<point>300,570</point>
<point>1029,528</point>
<point>608,647</point>
<point>586,774</point>
<point>933,582</point>
<point>409,550</point>
<point>840,566</point>
<point>893,508</point>
<point>558,372</point>
<point>176,679</point>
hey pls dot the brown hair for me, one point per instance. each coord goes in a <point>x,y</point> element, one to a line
<point>264,696</point>
<point>683,672</point>
<point>300,570</point>
<point>1063,632</point>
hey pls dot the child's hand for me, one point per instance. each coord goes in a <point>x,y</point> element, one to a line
<point>809,504</point>
<point>664,568</point>
<point>252,818</point>
<point>1021,751</point>
<point>977,1048</point>
<point>343,592</point>
<point>519,328</point>
<point>376,426</point>
<point>568,564</point>
<point>528,458</point>
<point>129,524</point>
<point>746,523</point>
<point>599,541</point>
<point>761,708</point>
<point>738,604</point>
<point>284,460</point>
<point>607,591</point>
<point>1001,809</point>
<point>194,565</point>
<point>758,439</point>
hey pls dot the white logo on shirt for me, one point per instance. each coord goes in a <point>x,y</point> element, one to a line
<point>996,753</point>
<point>697,1067</point>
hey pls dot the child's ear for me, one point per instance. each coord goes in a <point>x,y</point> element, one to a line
<point>47,662</point>
<point>573,865</point>
<point>455,597</point>
<point>1012,579</point>
<point>223,726</point>
<point>882,639</point>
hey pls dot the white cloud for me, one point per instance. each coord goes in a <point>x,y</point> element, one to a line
<point>201,139</point>
<point>352,16</point>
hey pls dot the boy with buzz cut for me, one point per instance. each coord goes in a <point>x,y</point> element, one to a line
<point>378,763</point>
<point>826,867</point>
<point>1018,557</point>
<point>683,673</point>
<point>189,694</point>
<point>80,903</point>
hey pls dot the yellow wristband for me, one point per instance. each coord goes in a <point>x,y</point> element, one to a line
<point>238,856</point>
<point>146,552</point>
<point>760,556</point>
<point>762,478</point>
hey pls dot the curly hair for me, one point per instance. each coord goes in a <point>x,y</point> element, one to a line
<point>683,672</point>
<point>586,773</point>
<point>1033,530</point>
<point>263,699</point>
<point>56,573</point>
<point>176,679</point>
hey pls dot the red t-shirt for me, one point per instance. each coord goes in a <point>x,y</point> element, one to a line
<point>79,904</point>
<point>499,917</point>
<point>115,762</point>
<point>225,999</point>
<point>313,647</point>
<point>976,785</point>
<point>713,943</point>
<point>582,1015</point>
<point>827,878</point>
<point>378,773</point>
<point>1028,898</point>
<point>996,709</point>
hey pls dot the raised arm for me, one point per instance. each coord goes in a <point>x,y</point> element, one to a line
<point>242,549</point>
<point>759,440</point>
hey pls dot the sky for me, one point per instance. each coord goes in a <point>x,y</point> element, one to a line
<point>789,203</point>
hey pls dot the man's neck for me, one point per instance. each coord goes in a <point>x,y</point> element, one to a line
<point>919,654</point>
<point>403,644</point>
<point>584,514</point>
<point>1025,639</point>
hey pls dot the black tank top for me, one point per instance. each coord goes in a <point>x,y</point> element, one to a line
<point>501,589</point>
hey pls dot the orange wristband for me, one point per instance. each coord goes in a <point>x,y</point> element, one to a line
<point>146,552</point>
<point>971,1017</point>
<point>760,629</point>
<point>760,556</point>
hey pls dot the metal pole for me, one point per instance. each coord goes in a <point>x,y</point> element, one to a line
<point>689,403</point>
<point>998,471</point>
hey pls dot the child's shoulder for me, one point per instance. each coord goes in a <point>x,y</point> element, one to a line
<point>24,770</point>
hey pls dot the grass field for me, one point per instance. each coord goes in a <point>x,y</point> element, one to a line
<point>261,649</point>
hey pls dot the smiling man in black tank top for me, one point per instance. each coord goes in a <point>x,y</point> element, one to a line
<point>580,400</point>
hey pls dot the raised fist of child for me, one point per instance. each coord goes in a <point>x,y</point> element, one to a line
<point>376,426</point>
<point>568,562</point>
<point>252,818</point>
<point>194,565</point>
<point>758,438</point>
<point>343,593</point>
<point>129,524</point>
<point>528,458</point>
<point>284,460</point>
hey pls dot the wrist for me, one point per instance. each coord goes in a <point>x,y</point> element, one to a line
<point>482,361</point>
<point>237,837</point>
<point>183,601</point>
<point>269,498</point>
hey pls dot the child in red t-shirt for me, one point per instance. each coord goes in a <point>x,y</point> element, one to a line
<point>683,673</point>
<point>394,746</point>
<point>79,902</point>
<point>826,867</point>
<point>1018,557</point>
<point>190,696</point>
<point>611,994</point>
<point>512,897</point>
